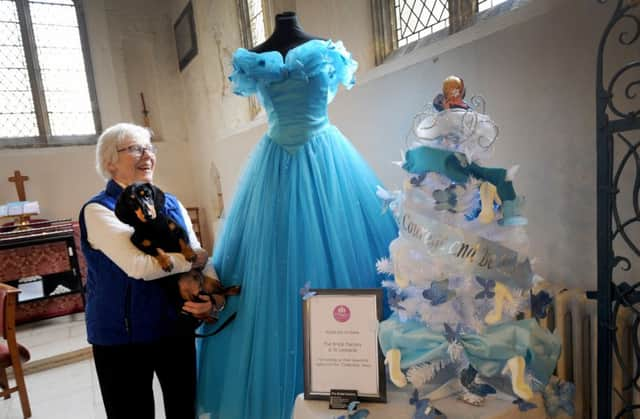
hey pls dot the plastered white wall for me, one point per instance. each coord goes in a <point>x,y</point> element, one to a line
<point>537,73</point>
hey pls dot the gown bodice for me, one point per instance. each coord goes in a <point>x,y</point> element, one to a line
<point>296,89</point>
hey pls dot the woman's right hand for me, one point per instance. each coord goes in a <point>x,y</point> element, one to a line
<point>201,259</point>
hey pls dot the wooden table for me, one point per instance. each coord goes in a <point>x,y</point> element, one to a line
<point>47,253</point>
<point>398,407</point>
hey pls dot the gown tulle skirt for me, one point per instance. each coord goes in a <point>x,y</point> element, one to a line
<point>310,216</point>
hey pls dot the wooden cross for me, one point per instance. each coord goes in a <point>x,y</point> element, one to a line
<point>19,180</point>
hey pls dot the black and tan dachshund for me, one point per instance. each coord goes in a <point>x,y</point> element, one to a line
<point>141,205</point>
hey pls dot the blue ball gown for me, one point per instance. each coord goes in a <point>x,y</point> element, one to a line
<point>305,210</point>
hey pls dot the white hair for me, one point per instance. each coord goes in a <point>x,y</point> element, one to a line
<point>111,138</point>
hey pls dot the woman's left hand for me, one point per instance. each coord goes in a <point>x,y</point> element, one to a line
<point>202,310</point>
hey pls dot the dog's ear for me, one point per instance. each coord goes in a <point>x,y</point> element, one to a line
<point>158,198</point>
<point>124,210</point>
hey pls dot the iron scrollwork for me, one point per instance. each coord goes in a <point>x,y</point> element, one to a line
<point>615,127</point>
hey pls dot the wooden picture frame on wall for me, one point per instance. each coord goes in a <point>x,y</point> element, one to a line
<point>185,33</point>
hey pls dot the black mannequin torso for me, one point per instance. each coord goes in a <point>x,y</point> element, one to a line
<point>287,35</point>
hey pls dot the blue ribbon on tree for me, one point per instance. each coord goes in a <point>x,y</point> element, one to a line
<point>456,167</point>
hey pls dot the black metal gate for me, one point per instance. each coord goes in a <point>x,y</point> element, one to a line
<point>618,212</point>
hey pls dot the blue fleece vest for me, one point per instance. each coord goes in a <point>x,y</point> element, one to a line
<point>120,309</point>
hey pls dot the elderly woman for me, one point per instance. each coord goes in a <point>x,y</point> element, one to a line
<point>132,321</point>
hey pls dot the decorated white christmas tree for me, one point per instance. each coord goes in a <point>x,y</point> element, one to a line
<point>465,300</point>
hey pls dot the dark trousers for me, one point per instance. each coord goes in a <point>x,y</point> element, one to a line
<point>125,374</point>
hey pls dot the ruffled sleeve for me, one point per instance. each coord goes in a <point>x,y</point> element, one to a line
<point>250,68</point>
<point>342,67</point>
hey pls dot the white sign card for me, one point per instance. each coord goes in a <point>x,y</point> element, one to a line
<point>341,343</point>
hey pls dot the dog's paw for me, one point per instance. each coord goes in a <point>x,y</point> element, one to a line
<point>219,302</point>
<point>191,257</point>
<point>166,263</point>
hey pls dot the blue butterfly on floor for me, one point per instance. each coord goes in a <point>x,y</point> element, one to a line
<point>489,287</point>
<point>353,412</point>
<point>559,395</point>
<point>305,292</point>
<point>438,293</point>
<point>467,379</point>
<point>424,408</point>
<point>524,405</point>
<point>540,304</point>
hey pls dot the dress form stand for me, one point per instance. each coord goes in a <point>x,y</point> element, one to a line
<point>287,35</point>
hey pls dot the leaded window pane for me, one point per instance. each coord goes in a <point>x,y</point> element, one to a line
<point>17,112</point>
<point>488,4</point>
<point>62,68</point>
<point>416,19</point>
<point>256,21</point>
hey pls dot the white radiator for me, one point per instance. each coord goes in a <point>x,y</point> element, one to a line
<point>574,318</point>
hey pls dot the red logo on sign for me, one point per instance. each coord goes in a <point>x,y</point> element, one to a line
<point>341,313</point>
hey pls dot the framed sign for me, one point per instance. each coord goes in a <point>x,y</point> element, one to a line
<point>341,351</point>
<point>185,33</point>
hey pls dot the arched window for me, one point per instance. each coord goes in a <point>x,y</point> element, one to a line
<point>47,92</point>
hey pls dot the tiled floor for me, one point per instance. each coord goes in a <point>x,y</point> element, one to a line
<point>52,337</point>
<point>67,392</point>
<point>70,391</point>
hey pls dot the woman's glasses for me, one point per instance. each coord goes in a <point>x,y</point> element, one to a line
<point>136,150</point>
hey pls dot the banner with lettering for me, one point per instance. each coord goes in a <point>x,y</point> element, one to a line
<point>470,253</point>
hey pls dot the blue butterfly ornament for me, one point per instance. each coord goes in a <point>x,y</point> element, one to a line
<point>488,288</point>
<point>395,298</point>
<point>453,335</point>
<point>540,304</point>
<point>424,408</point>
<point>524,405</point>
<point>306,292</point>
<point>467,379</point>
<point>438,293</point>
<point>353,412</point>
